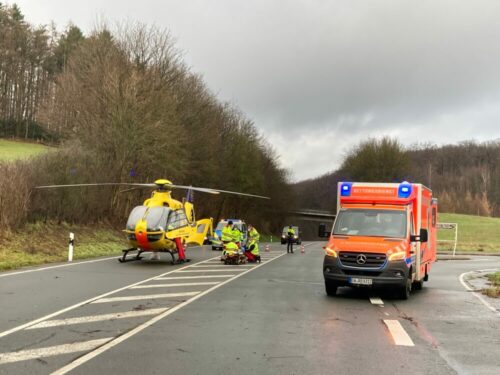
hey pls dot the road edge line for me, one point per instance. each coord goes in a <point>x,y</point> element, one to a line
<point>474,293</point>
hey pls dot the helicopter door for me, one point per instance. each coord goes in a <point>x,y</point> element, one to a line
<point>201,232</point>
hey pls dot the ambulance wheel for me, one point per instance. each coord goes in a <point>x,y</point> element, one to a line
<point>406,290</point>
<point>330,288</point>
<point>418,285</point>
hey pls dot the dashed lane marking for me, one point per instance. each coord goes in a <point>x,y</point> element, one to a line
<point>195,277</point>
<point>376,301</point>
<point>51,351</point>
<point>87,357</point>
<point>174,285</point>
<point>146,296</point>
<point>97,318</point>
<point>398,333</point>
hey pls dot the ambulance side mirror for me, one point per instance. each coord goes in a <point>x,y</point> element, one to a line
<point>422,237</point>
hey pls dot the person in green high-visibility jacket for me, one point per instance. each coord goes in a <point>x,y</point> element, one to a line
<point>252,252</point>
<point>237,235</point>
<point>230,248</point>
<point>227,232</point>
<point>290,239</point>
<point>253,234</point>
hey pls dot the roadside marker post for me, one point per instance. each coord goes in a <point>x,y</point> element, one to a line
<point>267,248</point>
<point>71,245</point>
<point>302,249</point>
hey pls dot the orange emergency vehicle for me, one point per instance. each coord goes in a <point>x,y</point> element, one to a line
<point>384,235</point>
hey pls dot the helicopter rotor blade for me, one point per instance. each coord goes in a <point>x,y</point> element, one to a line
<point>204,190</point>
<point>217,191</point>
<point>96,184</point>
<point>166,187</point>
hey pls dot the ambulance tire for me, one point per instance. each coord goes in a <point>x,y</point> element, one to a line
<point>331,288</point>
<point>406,290</point>
<point>418,285</point>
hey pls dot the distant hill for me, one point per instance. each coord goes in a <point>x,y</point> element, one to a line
<point>465,177</point>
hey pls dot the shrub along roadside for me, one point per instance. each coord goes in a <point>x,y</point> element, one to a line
<point>494,290</point>
<point>40,243</point>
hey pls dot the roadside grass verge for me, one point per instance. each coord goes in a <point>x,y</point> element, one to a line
<point>475,233</point>
<point>494,290</point>
<point>40,243</point>
<point>14,150</point>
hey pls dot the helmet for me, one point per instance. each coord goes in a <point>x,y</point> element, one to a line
<point>230,222</point>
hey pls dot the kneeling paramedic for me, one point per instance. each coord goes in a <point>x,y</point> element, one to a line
<point>252,252</point>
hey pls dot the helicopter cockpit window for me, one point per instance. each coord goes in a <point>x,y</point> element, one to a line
<point>135,216</point>
<point>157,218</point>
<point>177,220</point>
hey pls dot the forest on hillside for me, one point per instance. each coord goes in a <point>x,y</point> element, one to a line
<point>122,106</point>
<point>464,177</point>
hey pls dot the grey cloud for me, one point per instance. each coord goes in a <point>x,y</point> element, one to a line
<point>346,69</point>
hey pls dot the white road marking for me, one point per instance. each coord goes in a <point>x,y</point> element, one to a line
<point>398,333</point>
<point>477,295</point>
<point>386,313</point>
<point>87,357</point>
<point>173,285</point>
<point>376,301</point>
<point>58,266</point>
<point>195,277</point>
<point>219,270</point>
<point>97,318</point>
<point>49,316</point>
<point>220,265</point>
<point>24,355</point>
<point>66,265</point>
<point>143,297</point>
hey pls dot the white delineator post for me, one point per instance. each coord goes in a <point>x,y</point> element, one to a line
<point>71,244</point>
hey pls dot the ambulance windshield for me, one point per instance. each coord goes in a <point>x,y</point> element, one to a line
<point>368,222</point>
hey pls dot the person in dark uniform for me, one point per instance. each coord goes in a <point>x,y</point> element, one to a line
<point>290,239</point>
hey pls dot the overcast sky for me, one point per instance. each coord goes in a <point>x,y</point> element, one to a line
<point>319,76</point>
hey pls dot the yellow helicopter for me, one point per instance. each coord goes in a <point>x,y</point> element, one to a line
<point>162,223</point>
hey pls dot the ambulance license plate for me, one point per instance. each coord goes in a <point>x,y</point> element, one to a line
<point>360,281</point>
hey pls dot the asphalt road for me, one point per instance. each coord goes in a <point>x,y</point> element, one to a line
<point>149,317</point>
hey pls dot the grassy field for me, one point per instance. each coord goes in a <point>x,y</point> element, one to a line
<point>45,243</point>
<point>475,233</point>
<point>13,150</point>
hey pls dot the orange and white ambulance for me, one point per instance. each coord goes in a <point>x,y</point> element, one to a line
<point>384,235</point>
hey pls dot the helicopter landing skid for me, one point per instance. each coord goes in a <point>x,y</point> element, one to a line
<point>124,259</point>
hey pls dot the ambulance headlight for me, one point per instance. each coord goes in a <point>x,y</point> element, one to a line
<point>330,251</point>
<point>400,255</point>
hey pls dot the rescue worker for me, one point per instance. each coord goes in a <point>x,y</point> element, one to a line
<point>230,251</point>
<point>252,233</point>
<point>237,235</point>
<point>252,252</point>
<point>227,232</point>
<point>290,239</point>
